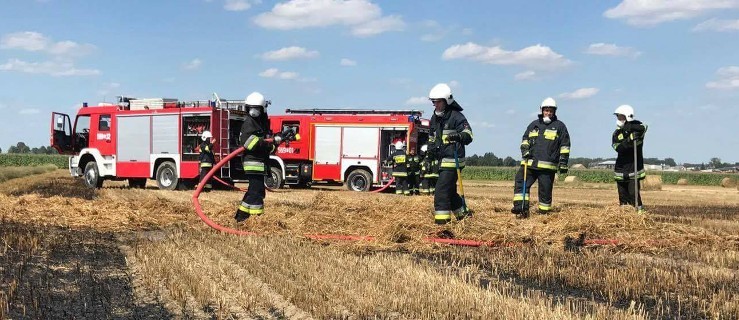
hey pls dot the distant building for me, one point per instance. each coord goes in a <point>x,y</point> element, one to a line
<point>608,164</point>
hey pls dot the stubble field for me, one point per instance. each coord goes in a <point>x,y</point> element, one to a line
<point>70,252</point>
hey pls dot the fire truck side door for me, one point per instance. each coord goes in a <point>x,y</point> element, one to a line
<point>61,133</point>
<point>101,134</point>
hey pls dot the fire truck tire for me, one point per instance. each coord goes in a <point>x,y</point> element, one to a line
<point>167,178</point>
<point>92,176</point>
<point>137,183</point>
<point>359,180</point>
<point>274,179</point>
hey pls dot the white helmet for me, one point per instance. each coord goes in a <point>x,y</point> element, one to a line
<point>256,99</point>
<point>626,110</point>
<point>548,102</point>
<point>399,145</point>
<point>424,148</point>
<point>206,135</point>
<point>441,91</point>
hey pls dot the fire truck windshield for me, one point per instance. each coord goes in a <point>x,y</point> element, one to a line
<point>82,132</point>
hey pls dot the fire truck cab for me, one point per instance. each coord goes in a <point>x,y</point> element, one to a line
<point>141,139</point>
<point>343,145</point>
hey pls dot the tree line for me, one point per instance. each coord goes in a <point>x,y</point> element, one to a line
<point>21,147</point>
<point>491,160</point>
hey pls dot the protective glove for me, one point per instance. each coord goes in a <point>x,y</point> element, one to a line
<point>563,169</point>
<point>453,137</point>
<point>277,139</point>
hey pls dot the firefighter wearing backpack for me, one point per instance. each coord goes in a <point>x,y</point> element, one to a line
<point>429,171</point>
<point>206,158</point>
<point>450,133</point>
<point>545,149</point>
<point>629,171</point>
<point>252,137</point>
<point>399,162</point>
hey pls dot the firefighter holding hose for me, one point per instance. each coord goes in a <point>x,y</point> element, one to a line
<point>206,158</point>
<point>257,150</point>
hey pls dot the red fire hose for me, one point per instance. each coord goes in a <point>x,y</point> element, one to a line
<point>458,242</point>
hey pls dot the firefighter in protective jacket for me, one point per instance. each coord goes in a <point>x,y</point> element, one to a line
<point>450,133</point>
<point>252,137</point>
<point>429,171</point>
<point>206,158</point>
<point>629,169</point>
<point>398,160</point>
<point>545,148</point>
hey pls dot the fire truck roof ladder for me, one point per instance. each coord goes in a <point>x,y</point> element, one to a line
<point>352,111</point>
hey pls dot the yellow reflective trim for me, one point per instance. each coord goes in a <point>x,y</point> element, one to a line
<point>546,166</point>
<point>525,142</point>
<point>252,142</point>
<point>620,136</point>
<point>564,149</point>
<point>399,158</point>
<point>545,207</point>
<point>533,134</point>
<point>207,149</point>
<point>550,134</point>
<point>468,131</point>
<point>400,174</point>
<point>256,211</point>
<point>519,197</point>
<point>206,165</point>
<point>243,208</point>
<point>442,215</point>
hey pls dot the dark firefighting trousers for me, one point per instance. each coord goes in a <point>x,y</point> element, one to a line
<point>627,192</point>
<point>546,183</point>
<point>428,185</point>
<point>412,184</point>
<point>401,185</point>
<point>446,198</point>
<point>203,173</point>
<point>253,201</point>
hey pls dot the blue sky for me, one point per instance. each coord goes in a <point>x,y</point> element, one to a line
<point>675,62</point>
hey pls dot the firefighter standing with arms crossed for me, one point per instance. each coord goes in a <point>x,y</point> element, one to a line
<point>252,137</point>
<point>450,133</point>
<point>545,148</point>
<point>629,168</point>
<point>206,158</point>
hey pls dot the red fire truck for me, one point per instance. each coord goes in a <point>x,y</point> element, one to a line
<point>343,145</point>
<point>141,139</point>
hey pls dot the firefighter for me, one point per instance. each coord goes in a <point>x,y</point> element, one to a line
<point>206,158</point>
<point>450,133</point>
<point>629,169</point>
<point>400,168</point>
<point>252,137</point>
<point>545,149</point>
<point>429,171</point>
<point>414,171</point>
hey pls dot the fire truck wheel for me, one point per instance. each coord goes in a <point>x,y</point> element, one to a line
<point>359,180</point>
<point>92,176</point>
<point>137,183</point>
<point>274,179</point>
<point>167,178</point>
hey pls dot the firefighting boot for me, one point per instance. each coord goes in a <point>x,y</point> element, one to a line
<point>241,216</point>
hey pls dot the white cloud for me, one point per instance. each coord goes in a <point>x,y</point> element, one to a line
<point>437,31</point>
<point>362,16</point>
<point>54,68</point>
<point>412,101</point>
<point>610,49</point>
<point>193,64</point>
<point>526,75</point>
<point>377,26</point>
<point>29,111</point>
<point>107,88</point>
<point>276,73</point>
<point>652,12</point>
<point>482,124</point>
<point>728,78</point>
<point>34,41</point>
<point>536,56</point>
<point>347,62</point>
<point>718,25</point>
<point>289,53</point>
<point>236,5</point>
<point>581,93</point>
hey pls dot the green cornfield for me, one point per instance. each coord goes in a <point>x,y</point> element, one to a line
<point>600,176</point>
<point>30,160</point>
